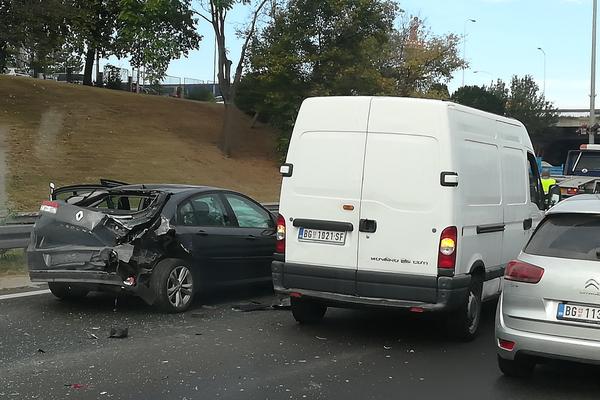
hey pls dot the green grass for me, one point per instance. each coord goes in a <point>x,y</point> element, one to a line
<point>13,262</point>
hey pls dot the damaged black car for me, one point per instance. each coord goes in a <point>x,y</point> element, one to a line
<point>163,243</point>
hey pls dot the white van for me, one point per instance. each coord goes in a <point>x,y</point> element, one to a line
<point>399,202</point>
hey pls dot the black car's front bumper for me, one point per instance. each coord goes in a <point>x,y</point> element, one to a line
<point>348,287</point>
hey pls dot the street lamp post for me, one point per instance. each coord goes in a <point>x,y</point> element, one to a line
<point>544,53</point>
<point>486,73</point>
<point>465,46</point>
<point>593,77</point>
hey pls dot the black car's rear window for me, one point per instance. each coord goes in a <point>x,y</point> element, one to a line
<point>575,236</point>
<point>589,161</point>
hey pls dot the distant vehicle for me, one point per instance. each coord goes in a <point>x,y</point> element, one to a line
<point>164,243</point>
<point>16,72</point>
<point>219,100</point>
<point>581,173</point>
<point>407,203</point>
<point>550,306</point>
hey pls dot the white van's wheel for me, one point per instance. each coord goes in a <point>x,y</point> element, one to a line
<point>463,324</point>
<point>307,311</point>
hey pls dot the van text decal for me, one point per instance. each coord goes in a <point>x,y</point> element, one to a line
<point>401,261</point>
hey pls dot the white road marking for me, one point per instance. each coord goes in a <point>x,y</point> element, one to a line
<point>24,294</point>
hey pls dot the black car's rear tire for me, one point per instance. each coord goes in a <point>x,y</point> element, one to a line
<point>463,324</point>
<point>307,311</point>
<point>67,291</point>
<point>173,284</point>
<point>518,368</point>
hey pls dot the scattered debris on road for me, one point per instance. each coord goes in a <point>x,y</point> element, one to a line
<point>118,333</point>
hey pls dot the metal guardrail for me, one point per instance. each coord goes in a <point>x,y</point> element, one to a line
<point>17,229</point>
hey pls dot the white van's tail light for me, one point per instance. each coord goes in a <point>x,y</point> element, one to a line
<point>519,271</point>
<point>448,243</point>
<point>49,207</point>
<point>280,236</point>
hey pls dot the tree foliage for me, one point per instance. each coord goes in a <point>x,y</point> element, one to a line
<point>481,98</point>
<point>154,32</point>
<point>342,47</point>
<point>522,100</point>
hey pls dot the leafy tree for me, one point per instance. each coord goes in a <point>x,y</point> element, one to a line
<point>420,61</point>
<point>526,104</point>
<point>217,11</point>
<point>342,47</point>
<point>481,98</point>
<point>522,101</point>
<point>32,30</point>
<point>154,32</point>
<point>93,24</point>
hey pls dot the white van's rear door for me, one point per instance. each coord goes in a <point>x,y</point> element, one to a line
<point>401,192</point>
<point>320,201</point>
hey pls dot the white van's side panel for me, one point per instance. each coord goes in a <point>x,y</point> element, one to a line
<point>479,203</point>
<point>328,145</point>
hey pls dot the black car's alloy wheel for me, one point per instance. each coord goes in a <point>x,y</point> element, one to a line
<point>173,284</point>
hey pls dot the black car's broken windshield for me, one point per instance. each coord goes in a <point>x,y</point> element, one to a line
<point>123,202</point>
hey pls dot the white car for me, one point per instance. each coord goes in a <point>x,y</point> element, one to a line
<point>408,203</point>
<point>550,307</point>
<point>16,72</point>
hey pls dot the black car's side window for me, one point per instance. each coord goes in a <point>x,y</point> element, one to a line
<point>203,210</point>
<point>248,214</point>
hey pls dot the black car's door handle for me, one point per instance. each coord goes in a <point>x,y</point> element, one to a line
<point>251,237</point>
<point>367,225</point>
<point>527,224</point>
<point>202,233</point>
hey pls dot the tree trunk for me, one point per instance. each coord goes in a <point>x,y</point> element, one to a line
<point>254,120</point>
<point>227,141</point>
<point>89,66</point>
<point>3,56</point>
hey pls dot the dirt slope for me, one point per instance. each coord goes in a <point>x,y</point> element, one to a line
<point>67,134</point>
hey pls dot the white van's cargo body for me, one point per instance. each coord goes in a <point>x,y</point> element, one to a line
<point>402,202</point>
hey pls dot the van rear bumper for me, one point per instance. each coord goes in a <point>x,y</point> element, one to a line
<point>346,287</point>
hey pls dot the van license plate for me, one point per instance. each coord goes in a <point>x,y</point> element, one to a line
<point>575,312</point>
<point>319,236</point>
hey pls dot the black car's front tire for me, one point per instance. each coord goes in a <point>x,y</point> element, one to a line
<point>67,291</point>
<point>173,285</point>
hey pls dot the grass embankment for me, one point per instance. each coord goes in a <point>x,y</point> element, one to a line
<point>63,133</point>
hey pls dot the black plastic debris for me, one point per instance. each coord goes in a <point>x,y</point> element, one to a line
<point>118,333</point>
<point>40,351</point>
<point>252,306</point>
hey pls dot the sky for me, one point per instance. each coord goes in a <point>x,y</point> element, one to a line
<point>502,42</point>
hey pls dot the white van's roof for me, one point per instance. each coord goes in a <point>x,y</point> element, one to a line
<point>350,109</point>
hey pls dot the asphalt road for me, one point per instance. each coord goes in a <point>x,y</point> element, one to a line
<point>47,351</point>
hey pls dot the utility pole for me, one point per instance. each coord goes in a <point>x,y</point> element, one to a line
<point>544,53</point>
<point>465,47</point>
<point>593,78</point>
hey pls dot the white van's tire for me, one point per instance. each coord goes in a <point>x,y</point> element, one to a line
<point>307,311</point>
<point>67,291</point>
<point>517,368</point>
<point>463,324</point>
<point>173,284</point>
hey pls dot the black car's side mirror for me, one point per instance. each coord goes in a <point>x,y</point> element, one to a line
<point>554,196</point>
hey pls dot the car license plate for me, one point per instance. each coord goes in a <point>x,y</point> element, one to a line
<point>576,312</point>
<point>319,236</point>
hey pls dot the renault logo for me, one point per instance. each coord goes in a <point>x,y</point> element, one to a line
<point>79,216</point>
<point>592,284</point>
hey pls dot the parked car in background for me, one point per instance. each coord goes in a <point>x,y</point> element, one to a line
<point>164,243</point>
<point>407,203</point>
<point>550,306</point>
<point>16,72</point>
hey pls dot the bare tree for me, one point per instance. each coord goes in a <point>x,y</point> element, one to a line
<point>217,16</point>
